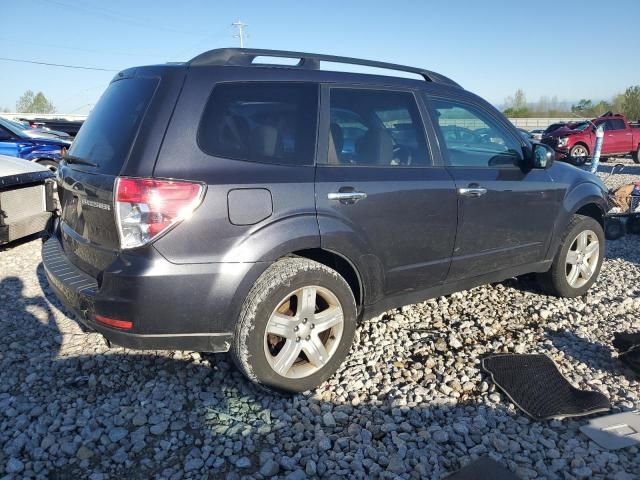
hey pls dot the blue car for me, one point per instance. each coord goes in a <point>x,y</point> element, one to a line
<point>47,150</point>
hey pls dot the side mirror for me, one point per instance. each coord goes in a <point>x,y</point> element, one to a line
<point>543,156</point>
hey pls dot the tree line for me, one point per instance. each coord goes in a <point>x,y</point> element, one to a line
<point>515,106</point>
<point>31,102</point>
<point>627,103</point>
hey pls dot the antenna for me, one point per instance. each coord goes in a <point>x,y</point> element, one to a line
<point>239,25</point>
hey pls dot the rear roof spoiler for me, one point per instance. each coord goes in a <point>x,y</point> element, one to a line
<point>244,57</point>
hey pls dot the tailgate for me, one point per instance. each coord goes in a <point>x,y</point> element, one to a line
<point>88,227</point>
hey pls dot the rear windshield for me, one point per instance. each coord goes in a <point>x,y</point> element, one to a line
<point>106,136</point>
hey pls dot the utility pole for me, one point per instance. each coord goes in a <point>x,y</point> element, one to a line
<point>240,34</point>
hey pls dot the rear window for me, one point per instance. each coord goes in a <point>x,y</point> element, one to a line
<point>261,122</point>
<point>106,136</point>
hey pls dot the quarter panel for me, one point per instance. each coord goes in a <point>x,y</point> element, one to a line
<point>209,235</point>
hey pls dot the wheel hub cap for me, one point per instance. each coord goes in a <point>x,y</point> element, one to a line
<point>582,258</point>
<point>303,332</point>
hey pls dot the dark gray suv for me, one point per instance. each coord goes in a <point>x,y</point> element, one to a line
<point>232,204</point>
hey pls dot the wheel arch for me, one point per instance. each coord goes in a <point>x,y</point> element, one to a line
<point>582,143</point>
<point>591,210</point>
<point>339,263</point>
<point>584,199</point>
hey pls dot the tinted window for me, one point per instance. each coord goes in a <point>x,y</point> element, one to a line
<point>617,124</point>
<point>108,133</point>
<point>261,122</point>
<point>5,134</point>
<point>375,127</point>
<point>473,138</point>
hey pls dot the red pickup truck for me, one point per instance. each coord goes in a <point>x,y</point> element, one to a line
<point>575,141</point>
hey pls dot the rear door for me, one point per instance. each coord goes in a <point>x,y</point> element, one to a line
<point>96,157</point>
<point>618,136</point>
<point>381,198</point>
<point>505,212</point>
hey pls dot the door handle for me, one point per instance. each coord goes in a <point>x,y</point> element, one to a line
<point>347,197</point>
<point>472,191</point>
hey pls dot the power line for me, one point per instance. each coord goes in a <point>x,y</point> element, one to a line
<point>116,16</point>
<point>56,64</point>
<point>240,34</point>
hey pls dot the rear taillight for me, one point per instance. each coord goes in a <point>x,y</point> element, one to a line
<point>146,207</point>
<point>113,322</point>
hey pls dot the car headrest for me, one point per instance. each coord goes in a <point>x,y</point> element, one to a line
<point>264,140</point>
<point>375,147</point>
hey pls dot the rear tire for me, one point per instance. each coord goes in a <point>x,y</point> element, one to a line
<point>577,263</point>
<point>613,229</point>
<point>636,155</point>
<point>279,342</point>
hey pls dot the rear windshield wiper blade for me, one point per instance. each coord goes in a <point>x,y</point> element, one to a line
<point>79,161</point>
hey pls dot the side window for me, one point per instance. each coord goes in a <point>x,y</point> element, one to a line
<point>261,122</point>
<point>473,138</point>
<point>375,127</point>
<point>618,124</point>
<point>5,134</point>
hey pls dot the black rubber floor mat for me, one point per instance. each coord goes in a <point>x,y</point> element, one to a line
<point>624,341</point>
<point>628,346</point>
<point>536,386</point>
<point>483,468</point>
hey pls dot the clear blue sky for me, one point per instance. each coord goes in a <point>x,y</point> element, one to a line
<point>491,47</point>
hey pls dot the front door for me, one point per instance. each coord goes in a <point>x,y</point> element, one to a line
<point>506,212</point>
<point>380,199</point>
<point>8,143</point>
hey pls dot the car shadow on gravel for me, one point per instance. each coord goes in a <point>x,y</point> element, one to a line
<point>65,415</point>
<point>596,355</point>
<point>20,241</point>
<point>70,407</point>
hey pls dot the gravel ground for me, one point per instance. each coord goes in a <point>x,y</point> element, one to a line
<point>410,402</point>
<point>630,173</point>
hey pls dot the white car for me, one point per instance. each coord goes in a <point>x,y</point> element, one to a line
<point>537,133</point>
<point>27,200</point>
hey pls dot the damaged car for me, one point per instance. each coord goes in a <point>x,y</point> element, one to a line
<point>27,198</point>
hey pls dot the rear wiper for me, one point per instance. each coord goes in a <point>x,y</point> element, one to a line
<point>79,161</point>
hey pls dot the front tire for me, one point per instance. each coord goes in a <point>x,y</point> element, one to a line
<point>633,225</point>
<point>636,155</point>
<point>296,326</point>
<point>577,263</point>
<point>613,229</point>
<point>579,154</point>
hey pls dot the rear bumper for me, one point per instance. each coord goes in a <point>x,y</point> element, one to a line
<point>172,307</point>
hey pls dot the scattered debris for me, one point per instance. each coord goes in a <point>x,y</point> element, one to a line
<point>483,468</point>
<point>614,431</point>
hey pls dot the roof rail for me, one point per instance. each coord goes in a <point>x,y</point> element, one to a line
<point>245,56</point>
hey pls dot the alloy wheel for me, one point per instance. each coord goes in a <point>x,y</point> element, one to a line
<point>303,332</point>
<point>582,258</point>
